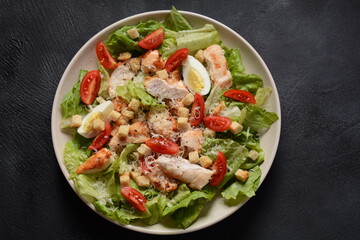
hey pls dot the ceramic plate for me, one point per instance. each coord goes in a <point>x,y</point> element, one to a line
<point>86,58</point>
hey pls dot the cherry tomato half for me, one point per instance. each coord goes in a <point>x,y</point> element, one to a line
<point>101,138</point>
<point>105,57</point>
<point>152,40</point>
<point>162,145</point>
<point>240,95</point>
<point>217,123</point>
<point>90,86</point>
<point>219,167</point>
<point>197,110</point>
<point>176,59</point>
<point>134,197</point>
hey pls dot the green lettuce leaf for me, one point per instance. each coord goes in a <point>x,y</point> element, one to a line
<point>261,95</point>
<point>176,22</point>
<point>105,79</point>
<point>136,90</point>
<point>186,216</point>
<point>75,153</point>
<point>258,119</point>
<point>156,207</point>
<point>123,213</point>
<point>238,191</point>
<point>71,103</point>
<point>235,154</point>
<point>233,58</point>
<point>206,193</point>
<point>169,45</point>
<point>119,41</point>
<point>247,82</point>
<point>197,39</point>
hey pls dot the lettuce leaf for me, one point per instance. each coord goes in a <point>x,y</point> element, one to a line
<point>123,213</point>
<point>176,22</point>
<point>258,119</point>
<point>235,154</point>
<point>261,95</point>
<point>197,39</point>
<point>75,153</point>
<point>233,58</point>
<point>136,90</point>
<point>169,45</point>
<point>156,207</point>
<point>186,216</point>
<point>119,41</point>
<point>71,103</point>
<point>247,82</point>
<point>238,191</point>
<point>105,79</point>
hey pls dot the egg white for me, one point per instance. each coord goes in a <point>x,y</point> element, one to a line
<point>105,108</point>
<point>190,63</point>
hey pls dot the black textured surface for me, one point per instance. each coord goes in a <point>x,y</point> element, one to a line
<point>311,48</point>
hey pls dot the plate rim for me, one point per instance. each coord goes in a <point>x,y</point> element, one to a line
<point>58,98</point>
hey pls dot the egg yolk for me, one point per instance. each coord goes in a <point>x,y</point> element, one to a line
<point>195,81</point>
<point>88,126</point>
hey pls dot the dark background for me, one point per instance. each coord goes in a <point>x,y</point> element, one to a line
<point>311,47</point>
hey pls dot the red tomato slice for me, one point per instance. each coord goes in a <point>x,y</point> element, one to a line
<point>134,197</point>
<point>197,110</point>
<point>217,123</point>
<point>219,167</point>
<point>90,86</point>
<point>152,40</point>
<point>240,95</point>
<point>101,138</point>
<point>162,145</point>
<point>176,59</point>
<point>105,57</point>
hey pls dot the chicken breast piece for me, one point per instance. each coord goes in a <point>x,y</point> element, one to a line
<point>164,90</point>
<point>149,61</point>
<point>217,66</point>
<point>119,77</point>
<point>138,133</point>
<point>160,180</point>
<point>161,122</point>
<point>181,169</point>
<point>192,139</point>
<point>96,163</point>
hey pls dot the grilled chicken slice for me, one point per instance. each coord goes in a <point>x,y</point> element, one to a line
<point>160,180</point>
<point>181,169</point>
<point>150,62</point>
<point>217,66</point>
<point>119,77</point>
<point>138,133</point>
<point>96,163</point>
<point>192,139</point>
<point>162,89</point>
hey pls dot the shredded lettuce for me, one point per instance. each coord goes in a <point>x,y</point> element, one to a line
<point>240,191</point>
<point>71,103</point>
<point>176,22</point>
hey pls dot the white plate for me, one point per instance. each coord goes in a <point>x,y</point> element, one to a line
<point>86,59</point>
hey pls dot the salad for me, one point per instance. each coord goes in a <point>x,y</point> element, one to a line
<point>169,120</point>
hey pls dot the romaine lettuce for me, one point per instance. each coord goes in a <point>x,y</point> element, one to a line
<point>197,39</point>
<point>258,119</point>
<point>176,22</point>
<point>119,41</point>
<point>136,90</point>
<point>71,103</point>
<point>239,191</point>
<point>235,154</point>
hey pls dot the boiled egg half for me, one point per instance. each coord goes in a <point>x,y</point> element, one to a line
<point>195,76</point>
<point>101,112</point>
